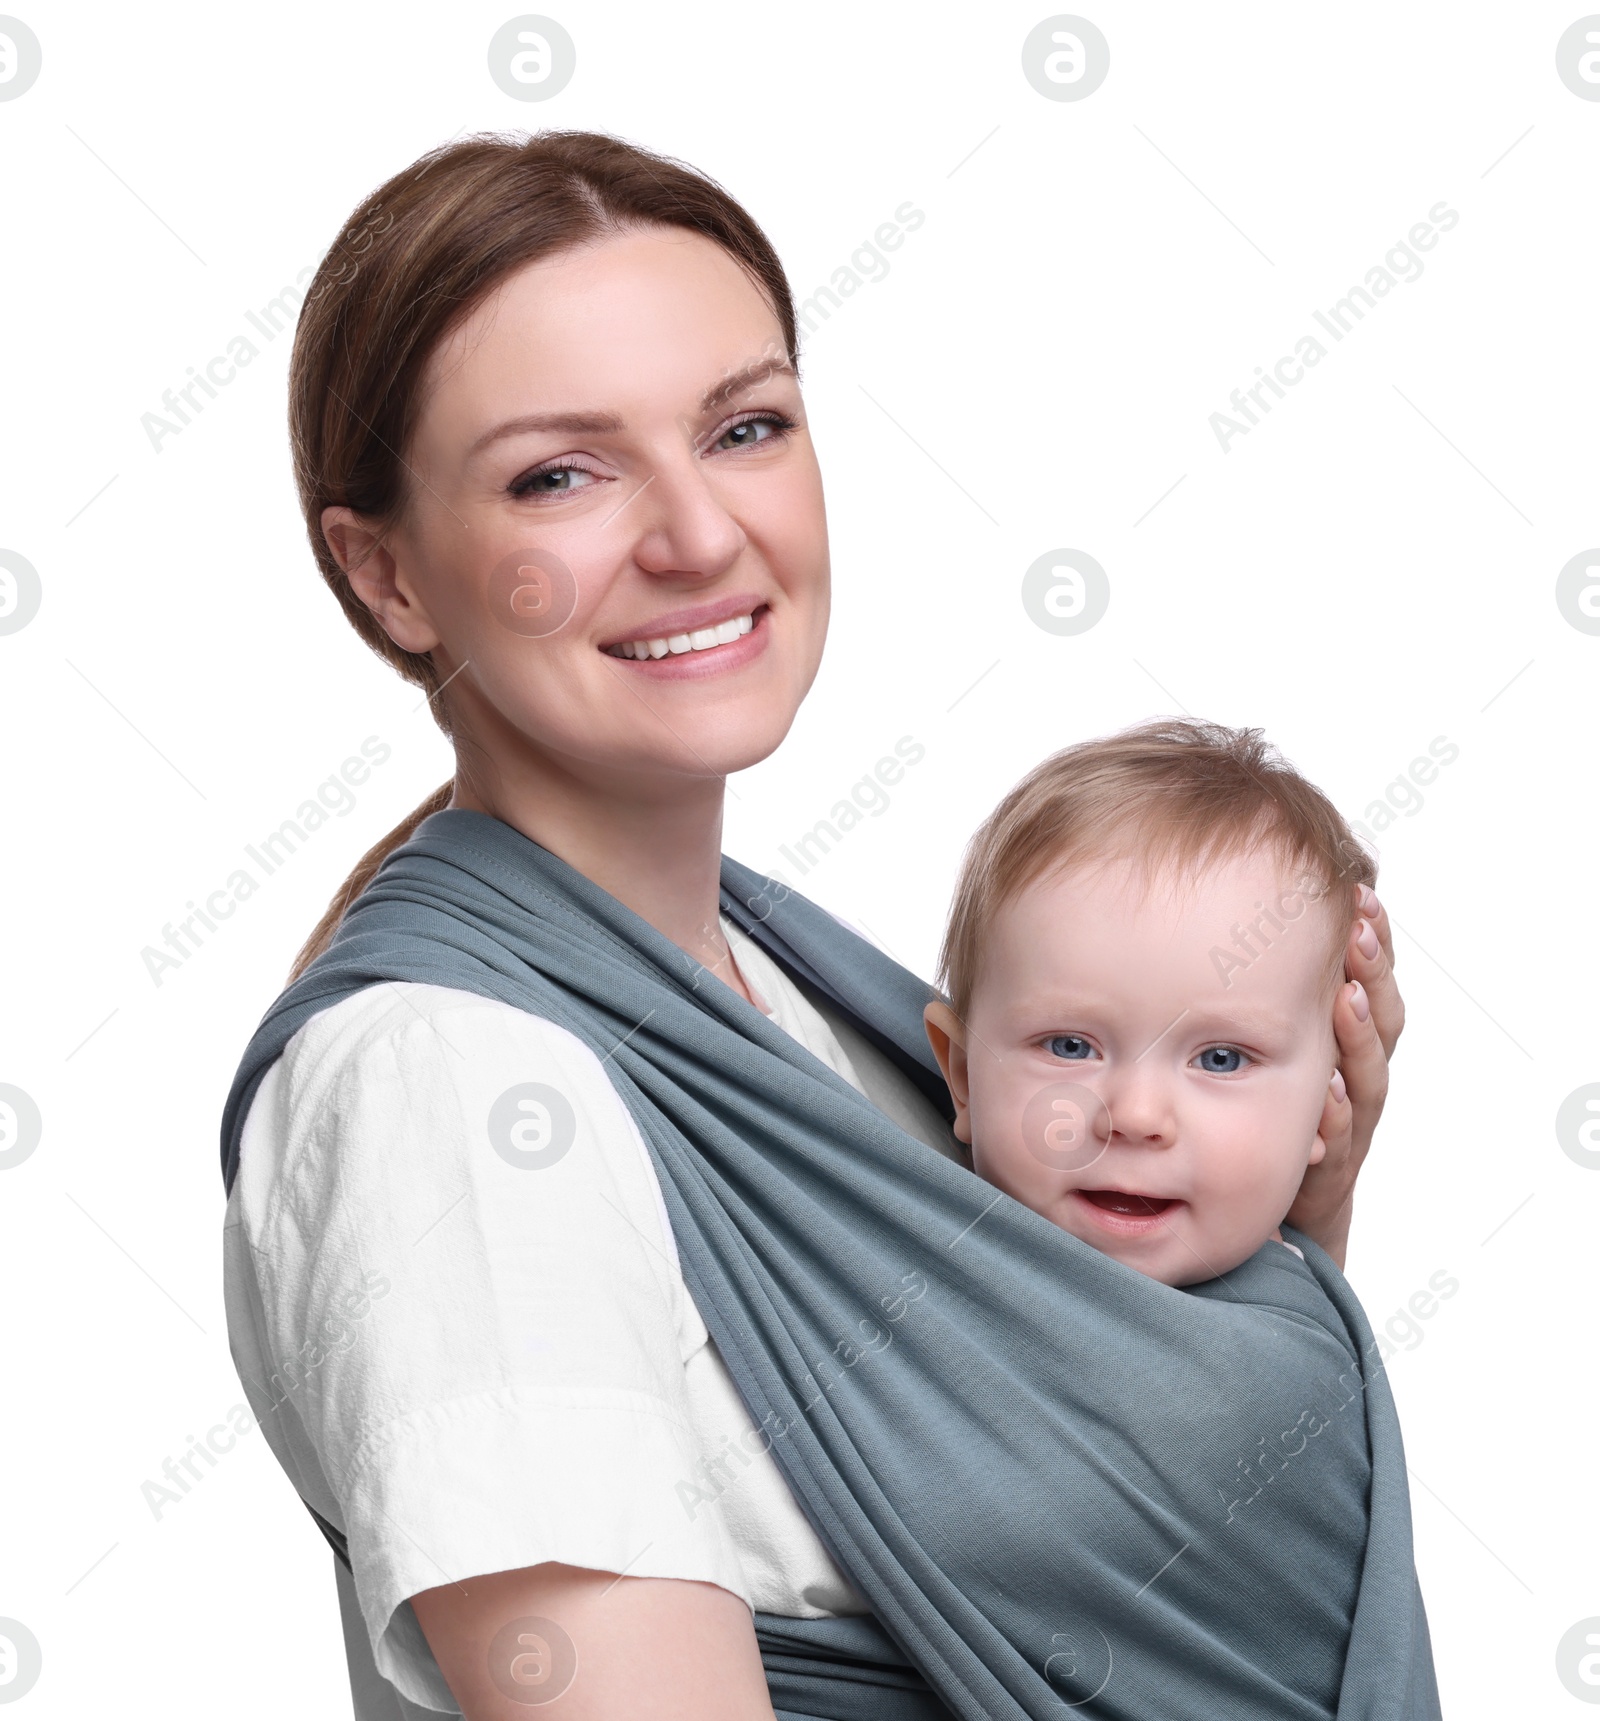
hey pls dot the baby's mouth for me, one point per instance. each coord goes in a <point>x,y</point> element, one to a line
<point>1130,1206</point>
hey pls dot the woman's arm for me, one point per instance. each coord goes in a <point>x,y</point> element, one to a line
<point>672,1649</point>
<point>519,1309</point>
<point>1368,1016</point>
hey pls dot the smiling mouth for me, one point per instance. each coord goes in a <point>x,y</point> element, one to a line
<point>681,644</point>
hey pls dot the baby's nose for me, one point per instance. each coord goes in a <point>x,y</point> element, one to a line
<point>1141,1112</point>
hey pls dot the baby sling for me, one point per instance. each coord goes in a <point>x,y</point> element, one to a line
<point>1058,1484</point>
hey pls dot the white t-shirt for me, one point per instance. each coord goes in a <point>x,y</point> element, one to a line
<point>471,1365</point>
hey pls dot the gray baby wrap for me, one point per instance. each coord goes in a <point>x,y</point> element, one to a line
<point>1059,1484</point>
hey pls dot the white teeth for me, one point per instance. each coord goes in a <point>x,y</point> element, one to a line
<point>702,639</point>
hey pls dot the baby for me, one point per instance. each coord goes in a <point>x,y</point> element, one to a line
<point>1145,944</point>
<point>1144,950</point>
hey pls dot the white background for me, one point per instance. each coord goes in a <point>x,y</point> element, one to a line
<point>1370,568</point>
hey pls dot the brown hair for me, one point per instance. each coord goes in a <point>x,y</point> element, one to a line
<point>413,260</point>
<point>1173,794</point>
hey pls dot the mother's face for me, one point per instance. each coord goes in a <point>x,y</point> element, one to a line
<point>611,452</point>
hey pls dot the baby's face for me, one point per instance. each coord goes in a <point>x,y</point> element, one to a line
<point>1148,1070</point>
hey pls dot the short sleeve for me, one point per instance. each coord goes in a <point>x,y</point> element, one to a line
<point>456,1307</point>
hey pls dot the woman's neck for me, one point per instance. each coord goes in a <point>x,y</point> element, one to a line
<point>659,854</point>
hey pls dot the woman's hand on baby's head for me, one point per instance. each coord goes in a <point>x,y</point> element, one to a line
<point>1369,960</point>
<point>1368,1017</point>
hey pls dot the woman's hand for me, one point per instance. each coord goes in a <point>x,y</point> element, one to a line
<point>1368,1015</point>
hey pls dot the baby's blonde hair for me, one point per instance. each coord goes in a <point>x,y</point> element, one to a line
<point>1171,796</point>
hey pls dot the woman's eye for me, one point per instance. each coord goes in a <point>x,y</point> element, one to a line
<point>1221,1060</point>
<point>1069,1046</point>
<point>750,431</point>
<point>552,481</point>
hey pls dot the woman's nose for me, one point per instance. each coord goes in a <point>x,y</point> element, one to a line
<point>684,528</point>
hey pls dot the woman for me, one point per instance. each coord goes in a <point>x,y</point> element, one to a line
<point>552,455</point>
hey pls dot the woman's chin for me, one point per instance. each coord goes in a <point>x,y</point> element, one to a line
<point>736,742</point>
<point>736,732</point>
<point>706,746</point>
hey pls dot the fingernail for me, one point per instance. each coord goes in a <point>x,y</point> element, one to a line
<point>1337,1086</point>
<point>1368,901</point>
<point>1358,1001</point>
<point>1367,939</point>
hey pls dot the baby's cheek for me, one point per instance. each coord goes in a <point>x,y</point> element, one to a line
<point>996,1160</point>
<point>1243,1210</point>
<point>999,1150</point>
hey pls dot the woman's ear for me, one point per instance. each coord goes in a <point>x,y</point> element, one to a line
<point>376,578</point>
<point>947,1035</point>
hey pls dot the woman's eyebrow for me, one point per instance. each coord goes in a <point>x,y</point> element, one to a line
<point>749,375</point>
<point>559,423</point>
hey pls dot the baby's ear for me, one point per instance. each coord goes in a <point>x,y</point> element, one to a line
<point>1319,1148</point>
<point>947,1035</point>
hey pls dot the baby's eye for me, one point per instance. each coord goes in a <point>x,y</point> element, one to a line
<point>1069,1046</point>
<point>1221,1060</point>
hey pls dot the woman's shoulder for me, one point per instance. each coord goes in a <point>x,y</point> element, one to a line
<point>434,1040</point>
<point>368,1022</point>
<point>403,1096</point>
